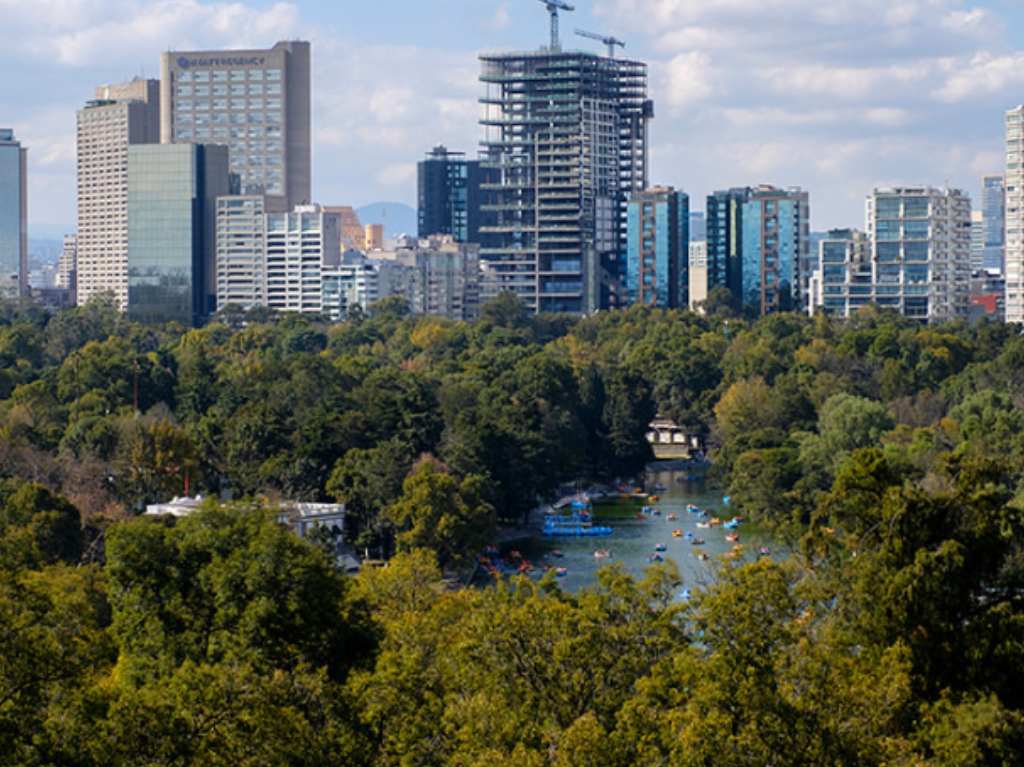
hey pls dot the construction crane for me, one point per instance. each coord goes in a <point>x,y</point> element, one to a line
<point>611,42</point>
<point>554,6</point>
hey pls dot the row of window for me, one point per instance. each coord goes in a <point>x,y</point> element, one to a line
<point>226,75</point>
<point>185,106</point>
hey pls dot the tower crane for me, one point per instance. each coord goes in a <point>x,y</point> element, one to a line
<point>611,42</point>
<point>554,6</point>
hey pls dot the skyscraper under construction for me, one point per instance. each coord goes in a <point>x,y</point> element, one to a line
<point>566,132</point>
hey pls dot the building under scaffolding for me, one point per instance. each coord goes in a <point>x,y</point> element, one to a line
<point>566,133</point>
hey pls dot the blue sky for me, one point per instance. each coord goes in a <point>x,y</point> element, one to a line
<point>835,96</point>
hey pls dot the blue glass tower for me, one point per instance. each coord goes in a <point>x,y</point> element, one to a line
<point>172,194</point>
<point>13,208</point>
<point>657,248</point>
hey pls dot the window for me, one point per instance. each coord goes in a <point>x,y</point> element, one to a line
<point>237,89</point>
<point>237,75</point>
<point>256,104</point>
<point>184,77</point>
<point>202,90</point>
<point>915,230</point>
<point>916,251</point>
<point>184,90</point>
<point>274,74</point>
<point>185,105</point>
<point>273,89</point>
<point>273,103</point>
<point>220,103</point>
<point>915,207</point>
<point>220,90</point>
<point>202,77</point>
<point>255,89</point>
<point>887,207</point>
<point>202,105</point>
<point>220,76</point>
<point>887,230</point>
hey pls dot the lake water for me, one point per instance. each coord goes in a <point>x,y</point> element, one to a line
<point>634,540</point>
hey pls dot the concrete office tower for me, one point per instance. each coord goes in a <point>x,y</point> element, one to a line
<point>240,251</point>
<point>13,216</point>
<point>373,237</point>
<point>775,242</point>
<point>300,247</point>
<point>1015,215</point>
<point>67,267</point>
<point>255,101</point>
<point>843,279</point>
<point>567,134</point>
<point>172,203</point>
<point>449,195</point>
<point>106,128</point>
<point>921,251</point>
<point>993,209</point>
<point>698,274</point>
<point>658,248</point>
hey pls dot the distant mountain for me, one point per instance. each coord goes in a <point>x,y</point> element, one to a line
<point>398,218</point>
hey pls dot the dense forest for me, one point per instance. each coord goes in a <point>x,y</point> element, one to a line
<point>890,456</point>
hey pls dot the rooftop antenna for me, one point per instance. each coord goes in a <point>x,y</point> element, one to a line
<point>611,42</point>
<point>554,6</point>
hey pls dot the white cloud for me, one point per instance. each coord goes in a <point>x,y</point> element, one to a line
<point>983,75</point>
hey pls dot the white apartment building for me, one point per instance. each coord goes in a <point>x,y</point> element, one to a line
<point>1015,215</point>
<point>916,258</point>
<point>105,129</point>
<point>444,276</point>
<point>300,247</point>
<point>240,251</point>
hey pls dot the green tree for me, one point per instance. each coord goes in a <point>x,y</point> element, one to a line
<point>441,513</point>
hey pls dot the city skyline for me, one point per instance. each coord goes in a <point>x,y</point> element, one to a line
<point>845,100</point>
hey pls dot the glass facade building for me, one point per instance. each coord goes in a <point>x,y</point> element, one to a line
<point>657,248</point>
<point>993,212</point>
<point>449,196</point>
<point>724,228</point>
<point>13,216</point>
<point>172,193</point>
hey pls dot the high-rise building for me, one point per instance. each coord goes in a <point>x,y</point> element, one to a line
<point>241,251</point>
<point>993,209</point>
<point>698,276</point>
<point>172,197</point>
<point>567,135</point>
<point>920,251</point>
<point>449,196</point>
<point>658,247</point>
<point>13,216</point>
<point>776,241</point>
<point>724,229</point>
<point>106,128</point>
<point>977,240</point>
<point>67,267</point>
<point>1015,215</point>
<point>843,279</point>
<point>257,102</point>
<point>300,247</point>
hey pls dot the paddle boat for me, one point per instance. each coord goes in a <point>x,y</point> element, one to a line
<point>693,509</point>
<point>661,547</point>
<point>602,554</point>
<point>656,558</point>
<point>672,517</point>
<point>764,552</point>
<point>698,541</point>
<point>704,525</point>
<point>561,572</point>
<point>677,533</point>
<point>733,538</point>
<point>702,556</point>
